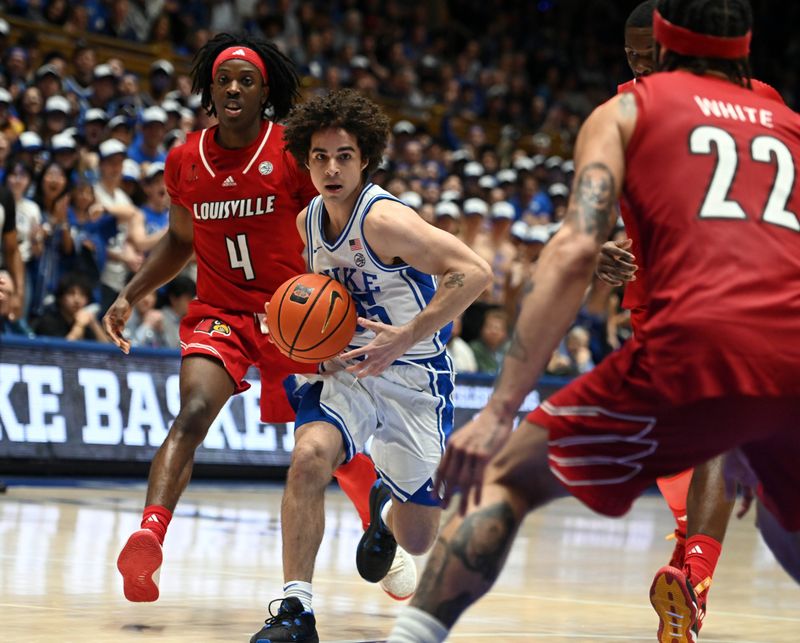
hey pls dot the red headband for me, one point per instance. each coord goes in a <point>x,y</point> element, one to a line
<point>240,53</point>
<point>690,43</point>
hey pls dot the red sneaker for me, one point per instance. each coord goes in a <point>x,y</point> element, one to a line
<point>139,563</point>
<point>673,599</point>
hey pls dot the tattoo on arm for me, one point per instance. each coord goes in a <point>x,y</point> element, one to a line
<point>480,546</point>
<point>627,105</point>
<point>455,280</point>
<point>593,203</point>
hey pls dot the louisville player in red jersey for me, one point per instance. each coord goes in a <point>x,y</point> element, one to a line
<point>696,497</point>
<point>716,364</point>
<point>235,196</point>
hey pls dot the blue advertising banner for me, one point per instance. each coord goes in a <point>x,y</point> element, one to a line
<point>83,401</point>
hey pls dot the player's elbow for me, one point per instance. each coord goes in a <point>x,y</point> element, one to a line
<point>483,272</point>
<point>575,253</point>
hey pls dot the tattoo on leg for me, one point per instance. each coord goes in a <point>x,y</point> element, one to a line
<point>480,545</point>
<point>593,202</point>
<point>455,280</point>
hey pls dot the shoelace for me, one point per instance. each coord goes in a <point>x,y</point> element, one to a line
<point>278,618</point>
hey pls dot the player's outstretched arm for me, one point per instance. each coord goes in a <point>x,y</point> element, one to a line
<point>551,300</point>
<point>395,231</point>
<point>163,263</point>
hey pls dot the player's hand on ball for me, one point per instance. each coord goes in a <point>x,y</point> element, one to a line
<point>616,265</point>
<point>389,343</point>
<point>468,452</point>
<point>114,322</point>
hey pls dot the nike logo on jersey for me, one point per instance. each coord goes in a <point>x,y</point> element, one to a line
<point>335,296</point>
<point>229,183</point>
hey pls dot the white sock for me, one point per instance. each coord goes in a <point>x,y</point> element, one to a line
<point>300,590</point>
<point>415,626</point>
<point>385,512</point>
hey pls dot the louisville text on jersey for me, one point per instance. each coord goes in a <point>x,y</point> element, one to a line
<point>218,210</point>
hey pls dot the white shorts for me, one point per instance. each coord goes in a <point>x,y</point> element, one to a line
<point>407,411</point>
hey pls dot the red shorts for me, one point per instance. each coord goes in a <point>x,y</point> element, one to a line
<point>612,434</point>
<point>236,340</point>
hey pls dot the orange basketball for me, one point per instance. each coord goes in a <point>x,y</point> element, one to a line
<point>311,318</point>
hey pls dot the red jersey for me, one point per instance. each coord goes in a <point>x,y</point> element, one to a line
<point>711,187</point>
<point>244,204</point>
<point>635,297</point>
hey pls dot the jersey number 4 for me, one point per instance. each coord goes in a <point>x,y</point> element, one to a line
<point>764,149</point>
<point>239,255</point>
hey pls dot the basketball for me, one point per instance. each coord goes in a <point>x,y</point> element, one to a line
<point>311,318</point>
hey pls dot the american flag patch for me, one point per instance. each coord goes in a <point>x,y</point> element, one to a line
<point>355,244</point>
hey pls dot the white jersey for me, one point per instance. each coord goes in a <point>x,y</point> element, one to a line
<point>391,294</point>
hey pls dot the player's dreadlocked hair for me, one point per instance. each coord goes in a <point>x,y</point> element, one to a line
<point>282,77</point>
<point>642,16</point>
<point>347,109</point>
<point>729,18</point>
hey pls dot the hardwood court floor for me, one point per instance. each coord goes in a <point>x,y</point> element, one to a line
<point>572,576</point>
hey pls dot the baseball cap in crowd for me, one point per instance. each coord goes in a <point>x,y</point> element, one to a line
<point>30,142</point>
<point>404,127</point>
<point>47,70</point>
<point>446,209</point>
<point>450,195</point>
<point>95,115</point>
<point>164,66</point>
<point>63,143</point>
<point>171,107</point>
<point>475,206</point>
<point>473,169</point>
<point>169,137</point>
<point>411,199</point>
<point>154,114</point>
<point>523,164</point>
<point>153,170</point>
<point>57,104</point>
<point>5,96</point>
<point>503,210</point>
<point>131,171</point>
<point>539,159</point>
<point>5,28</point>
<point>102,71</point>
<point>119,121</point>
<point>506,176</point>
<point>110,147</point>
<point>487,182</point>
<point>194,102</point>
<point>558,189</point>
<point>359,62</point>
<point>553,162</point>
<point>519,230</point>
<point>460,155</point>
<point>568,166</point>
<point>538,234</point>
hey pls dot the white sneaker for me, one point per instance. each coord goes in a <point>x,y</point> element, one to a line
<point>401,581</point>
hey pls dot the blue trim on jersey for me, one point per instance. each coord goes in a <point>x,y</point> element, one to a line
<point>309,227</point>
<point>422,293</point>
<point>422,496</point>
<point>442,387</point>
<point>311,409</point>
<point>370,252</point>
<point>346,230</point>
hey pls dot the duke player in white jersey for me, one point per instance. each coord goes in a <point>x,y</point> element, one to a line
<point>393,385</point>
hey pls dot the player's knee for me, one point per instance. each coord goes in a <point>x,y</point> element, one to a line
<point>311,465</point>
<point>193,420</point>
<point>417,533</point>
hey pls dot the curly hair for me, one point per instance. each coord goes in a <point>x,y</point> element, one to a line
<point>282,79</point>
<point>346,109</point>
<point>727,18</point>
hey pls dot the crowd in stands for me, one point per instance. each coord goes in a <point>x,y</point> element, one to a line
<point>487,109</point>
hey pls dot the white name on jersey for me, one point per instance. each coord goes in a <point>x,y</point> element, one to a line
<point>734,112</point>
<point>236,208</point>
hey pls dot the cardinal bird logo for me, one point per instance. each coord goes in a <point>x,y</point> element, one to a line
<point>211,326</point>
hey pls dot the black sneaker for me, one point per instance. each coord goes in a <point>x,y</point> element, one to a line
<point>291,623</point>
<point>377,546</point>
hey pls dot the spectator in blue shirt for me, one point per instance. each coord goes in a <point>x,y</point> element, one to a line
<point>147,147</point>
